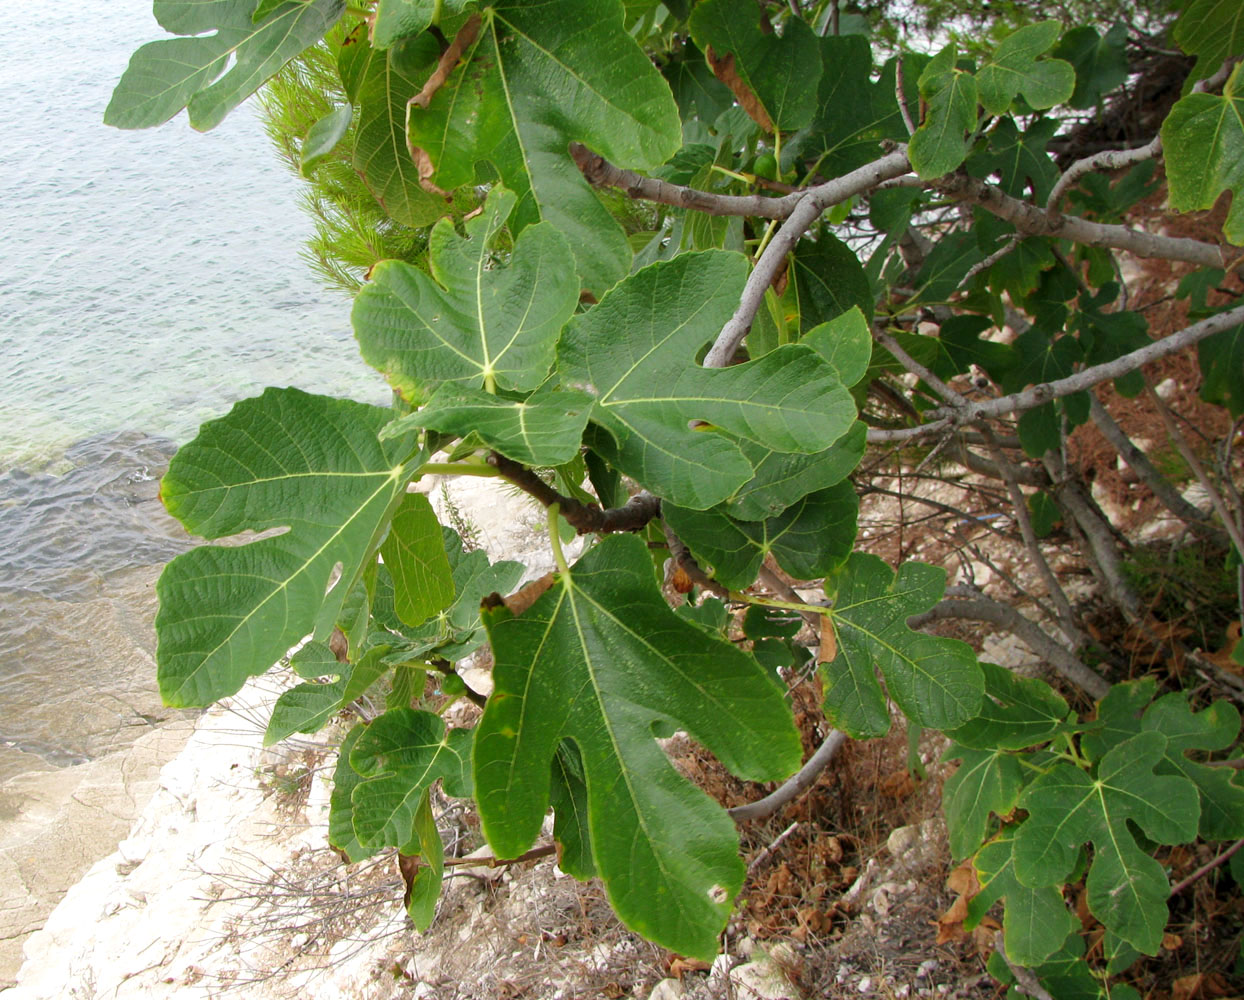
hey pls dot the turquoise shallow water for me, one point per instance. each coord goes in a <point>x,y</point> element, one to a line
<point>148,280</point>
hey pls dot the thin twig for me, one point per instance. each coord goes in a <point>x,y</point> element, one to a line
<point>1026,981</point>
<point>767,853</point>
<point>542,851</point>
<point>808,210</point>
<point>992,259</point>
<point>1086,378</point>
<point>1107,159</point>
<point>1019,505</point>
<point>1139,463</point>
<point>1206,868</point>
<point>1198,470</point>
<point>902,101</point>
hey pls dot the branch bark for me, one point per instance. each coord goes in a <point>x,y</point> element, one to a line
<point>806,212</point>
<point>983,609</point>
<point>586,518</point>
<point>1033,221</point>
<point>793,787</point>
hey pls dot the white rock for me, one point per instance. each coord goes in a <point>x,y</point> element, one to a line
<point>1166,389</point>
<point>667,989</point>
<point>762,980</point>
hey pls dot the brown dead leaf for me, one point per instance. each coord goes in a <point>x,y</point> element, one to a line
<point>897,784</point>
<point>408,865</point>
<point>340,645</point>
<point>829,642</point>
<point>681,580</point>
<point>723,69</point>
<point>1223,657</point>
<point>964,883</point>
<point>1188,987</point>
<point>445,65</point>
<point>1172,942</point>
<point>679,967</point>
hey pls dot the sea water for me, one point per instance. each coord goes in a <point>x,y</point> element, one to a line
<point>148,280</point>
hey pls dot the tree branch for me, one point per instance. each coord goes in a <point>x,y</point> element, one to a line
<point>794,786</point>
<point>983,609</point>
<point>585,518</point>
<point>806,212</point>
<point>1033,221</point>
<point>1037,395</point>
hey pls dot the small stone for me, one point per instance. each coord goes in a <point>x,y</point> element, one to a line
<point>865,985</point>
<point>667,989</point>
<point>1166,389</point>
<point>926,968</point>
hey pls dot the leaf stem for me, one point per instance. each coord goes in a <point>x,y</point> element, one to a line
<point>458,469</point>
<point>770,602</point>
<point>555,540</point>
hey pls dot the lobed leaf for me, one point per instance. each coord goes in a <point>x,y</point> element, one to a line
<point>1067,807</point>
<point>808,539</point>
<point>1014,68</point>
<point>543,430</point>
<point>399,755</point>
<point>414,553</point>
<point>777,72</point>
<point>600,660</point>
<point>468,321</point>
<point>1036,922</point>
<point>935,681</point>
<point>1203,144</point>
<point>939,145</point>
<point>379,82</point>
<point>211,74</point>
<point>987,781</point>
<point>309,465</point>
<point>634,353</point>
<point>536,78</point>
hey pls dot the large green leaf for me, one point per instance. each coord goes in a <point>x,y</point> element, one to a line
<point>987,781</point>
<point>213,73</point>
<point>378,83</point>
<point>808,539</point>
<point>779,480</point>
<point>1221,358</point>
<point>1213,30</point>
<point>853,114</point>
<point>829,281</point>
<point>1214,728</point>
<point>455,631</point>
<point>1017,712</point>
<point>1014,69</point>
<point>469,321</point>
<point>341,810</point>
<point>285,460</point>
<point>1100,61</point>
<point>415,555</point>
<point>537,77</point>
<point>1203,142</point>
<point>306,707</point>
<point>1067,807</point>
<point>780,70</point>
<point>399,755</point>
<point>1036,921</point>
<point>545,429</point>
<point>940,143</point>
<point>935,681</point>
<point>600,659</point>
<point>635,353</point>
